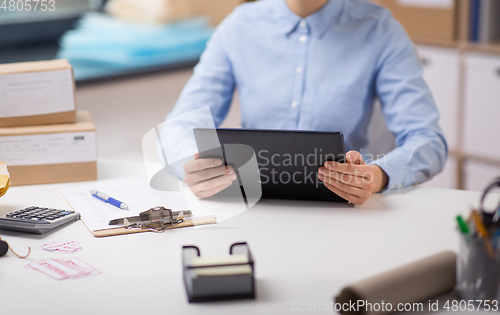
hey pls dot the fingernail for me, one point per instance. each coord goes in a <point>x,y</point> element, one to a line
<point>321,170</point>
<point>328,164</point>
<point>218,162</point>
<point>229,169</point>
<point>232,176</point>
<point>320,176</point>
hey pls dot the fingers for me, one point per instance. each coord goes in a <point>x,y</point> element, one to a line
<point>353,190</point>
<point>354,157</point>
<point>213,191</point>
<point>350,168</point>
<point>349,197</point>
<point>199,176</point>
<point>198,164</point>
<point>212,186</point>
<point>353,181</point>
<point>346,181</point>
<point>206,177</point>
<point>334,169</point>
<point>363,179</point>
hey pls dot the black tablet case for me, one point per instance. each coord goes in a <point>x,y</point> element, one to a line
<point>299,145</point>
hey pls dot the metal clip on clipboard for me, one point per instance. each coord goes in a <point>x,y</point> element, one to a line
<point>156,219</point>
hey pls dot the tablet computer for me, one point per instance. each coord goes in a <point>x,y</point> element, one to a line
<point>287,162</point>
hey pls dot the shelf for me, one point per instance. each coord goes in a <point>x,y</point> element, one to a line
<point>455,153</point>
<point>436,42</point>
<point>482,159</point>
<point>493,48</point>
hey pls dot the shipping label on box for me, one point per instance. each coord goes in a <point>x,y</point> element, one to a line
<point>36,93</point>
<point>50,153</point>
<point>53,148</point>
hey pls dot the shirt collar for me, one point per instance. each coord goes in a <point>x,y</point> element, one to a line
<point>319,21</point>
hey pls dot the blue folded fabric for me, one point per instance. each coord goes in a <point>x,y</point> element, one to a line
<point>102,45</point>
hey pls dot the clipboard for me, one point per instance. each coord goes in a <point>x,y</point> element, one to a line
<point>124,231</point>
<point>139,195</point>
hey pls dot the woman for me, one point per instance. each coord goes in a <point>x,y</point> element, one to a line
<point>319,65</point>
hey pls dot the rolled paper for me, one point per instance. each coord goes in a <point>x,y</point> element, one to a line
<point>412,283</point>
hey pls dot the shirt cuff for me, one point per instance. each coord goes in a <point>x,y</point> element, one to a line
<point>394,165</point>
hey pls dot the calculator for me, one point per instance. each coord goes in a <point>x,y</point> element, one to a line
<point>37,220</point>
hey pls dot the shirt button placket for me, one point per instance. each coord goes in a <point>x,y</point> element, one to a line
<point>299,80</point>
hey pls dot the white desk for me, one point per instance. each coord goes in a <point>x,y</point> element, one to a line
<point>305,252</point>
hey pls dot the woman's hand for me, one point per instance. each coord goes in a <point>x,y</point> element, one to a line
<point>354,180</point>
<point>206,177</point>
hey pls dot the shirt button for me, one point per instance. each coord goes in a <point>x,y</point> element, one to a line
<point>400,185</point>
<point>302,24</point>
<point>393,187</point>
<point>295,104</point>
<point>303,38</point>
<point>298,70</point>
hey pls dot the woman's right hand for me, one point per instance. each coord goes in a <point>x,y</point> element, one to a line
<point>206,177</point>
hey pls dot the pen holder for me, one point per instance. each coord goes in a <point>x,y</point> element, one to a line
<point>478,270</point>
<point>223,278</point>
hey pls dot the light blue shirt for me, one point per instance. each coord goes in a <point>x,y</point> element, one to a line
<point>322,73</point>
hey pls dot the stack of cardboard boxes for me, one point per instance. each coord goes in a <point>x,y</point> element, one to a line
<point>43,139</point>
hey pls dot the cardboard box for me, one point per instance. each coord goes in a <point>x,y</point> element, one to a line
<point>50,153</point>
<point>216,10</point>
<point>429,19</point>
<point>37,93</point>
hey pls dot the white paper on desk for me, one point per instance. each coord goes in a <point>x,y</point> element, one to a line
<point>137,194</point>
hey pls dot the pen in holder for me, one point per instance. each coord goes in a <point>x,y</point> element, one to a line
<point>478,264</point>
<point>478,271</point>
<point>218,278</point>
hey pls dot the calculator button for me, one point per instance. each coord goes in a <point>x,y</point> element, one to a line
<point>30,208</point>
<point>9,215</point>
<point>65,213</point>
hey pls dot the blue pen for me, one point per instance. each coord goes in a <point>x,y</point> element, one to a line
<point>108,199</point>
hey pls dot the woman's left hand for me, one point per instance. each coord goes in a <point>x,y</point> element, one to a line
<point>354,180</point>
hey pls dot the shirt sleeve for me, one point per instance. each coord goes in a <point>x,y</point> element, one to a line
<point>409,110</point>
<point>204,102</point>
<point>212,83</point>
